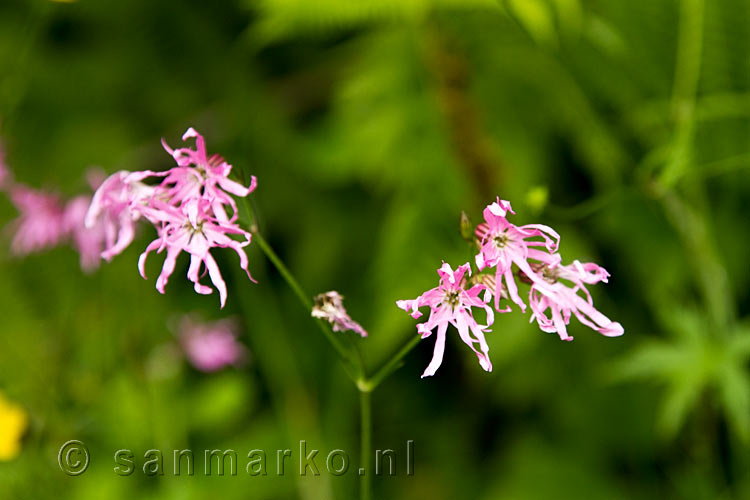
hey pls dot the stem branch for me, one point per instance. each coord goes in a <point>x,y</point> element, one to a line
<point>393,363</point>
<point>350,357</point>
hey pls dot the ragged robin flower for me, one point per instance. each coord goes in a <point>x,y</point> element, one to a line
<point>451,303</point>
<point>563,300</point>
<point>191,207</point>
<point>502,244</point>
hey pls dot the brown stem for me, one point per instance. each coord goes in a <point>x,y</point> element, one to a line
<point>474,148</point>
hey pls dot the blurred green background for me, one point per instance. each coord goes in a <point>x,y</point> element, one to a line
<point>370,126</point>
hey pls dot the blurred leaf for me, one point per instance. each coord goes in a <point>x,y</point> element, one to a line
<point>696,361</point>
<point>537,18</point>
<point>282,18</point>
<point>219,400</point>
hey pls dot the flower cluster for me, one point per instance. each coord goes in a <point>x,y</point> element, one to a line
<point>45,220</point>
<point>508,252</point>
<point>191,208</point>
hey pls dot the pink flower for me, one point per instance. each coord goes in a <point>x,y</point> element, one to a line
<point>563,300</point>
<point>115,208</point>
<point>188,209</point>
<point>210,346</point>
<point>330,307</point>
<point>40,224</point>
<point>503,244</point>
<point>193,229</point>
<point>451,303</point>
<point>88,241</point>
<point>198,175</point>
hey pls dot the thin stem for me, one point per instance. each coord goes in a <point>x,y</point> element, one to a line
<point>690,216</point>
<point>343,352</point>
<point>687,76</point>
<point>365,412</point>
<point>283,270</point>
<point>349,357</point>
<point>392,364</point>
<point>590,206</point>
<point>710,275</point>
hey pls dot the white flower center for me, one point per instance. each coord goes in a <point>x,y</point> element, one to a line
<point>452,298</point>
<point>501,240</point>
<point>194,229</point>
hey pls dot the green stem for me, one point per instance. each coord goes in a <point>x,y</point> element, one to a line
<point>392,364</point>
<point>350,357</point>
<point>687,76</point>
<point>349,354</point>
<point>365,412</point>
<point>591,206</point>
<point>710,275</point>
<point>283,270</point>
<point>690,215</point>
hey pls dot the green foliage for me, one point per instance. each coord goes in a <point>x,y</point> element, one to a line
<point>700,361</point>
<point>371,125</point>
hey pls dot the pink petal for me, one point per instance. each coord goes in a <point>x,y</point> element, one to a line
<point>168,268</point>
<point>437,355</point>
<point>216,279</point>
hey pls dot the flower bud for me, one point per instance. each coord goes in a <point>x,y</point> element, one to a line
<point>466,227</point>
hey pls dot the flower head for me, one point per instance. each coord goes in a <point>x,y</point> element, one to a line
<point>115,208</point>
<point>451,303</point>
<point>503,244</point>
<point>562,300</point>
<point>187,208</point>
<point>198,175</point>
<point>330,306</point>
<point>210,346</point>
<point>40,223</point>
<point>193,229</point>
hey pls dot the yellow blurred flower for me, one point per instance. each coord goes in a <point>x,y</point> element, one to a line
<point>13,422</point>
<point>537,199</point>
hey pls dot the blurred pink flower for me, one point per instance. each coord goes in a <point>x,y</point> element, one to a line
<point>45,221</point>
<point>5,176</point>
<point>210,346</point>
<point>40,223</point>
<point>192,228</point>
<point>563,300</point>
<point>451,304</point>
<point>503,244</point>
<point>89,242</point>
<point>330,307</point>
<point>115,209</point>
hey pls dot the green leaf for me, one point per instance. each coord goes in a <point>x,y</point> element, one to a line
<point>734,392</point>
